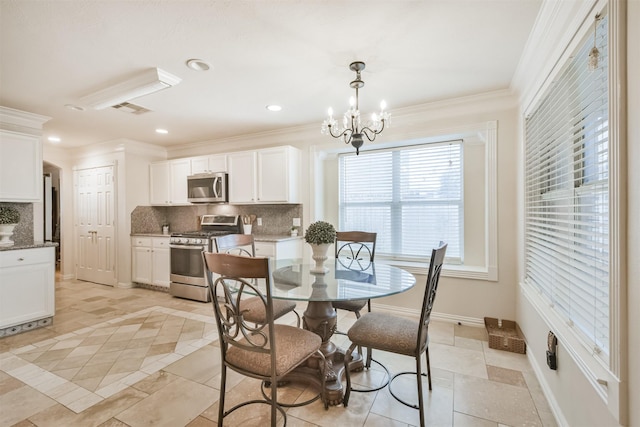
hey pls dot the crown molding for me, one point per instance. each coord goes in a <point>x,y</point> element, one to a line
<point>554,32</point>
<point>21,121</point>
<point>408,117</point>
<point>121,145</point>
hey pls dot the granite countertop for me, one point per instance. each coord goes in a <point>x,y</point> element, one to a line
<point>256,237</point>
<point>31,245</point>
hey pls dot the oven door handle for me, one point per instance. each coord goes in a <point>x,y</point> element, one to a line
<point>197,248</point>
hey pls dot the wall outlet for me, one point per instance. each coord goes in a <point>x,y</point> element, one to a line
<point>296,222</point>
<point>259,222</point>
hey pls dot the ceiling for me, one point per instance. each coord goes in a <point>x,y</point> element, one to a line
<point>294,53</point>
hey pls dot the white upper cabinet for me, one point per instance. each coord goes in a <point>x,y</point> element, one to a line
<point>278,175</point>
<point>20,156</point>
<point>271,175</point>
<point>242,177</point>
<point>169,182</point>
<point>209,164</point>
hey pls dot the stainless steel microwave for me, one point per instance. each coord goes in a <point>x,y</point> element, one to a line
<point>208,188</point>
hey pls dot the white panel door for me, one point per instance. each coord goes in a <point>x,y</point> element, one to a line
<point>95,225</point>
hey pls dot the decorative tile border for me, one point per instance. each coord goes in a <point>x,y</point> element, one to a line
<point>78,398</point>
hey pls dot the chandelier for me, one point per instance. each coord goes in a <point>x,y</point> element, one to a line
<point>352,129</point>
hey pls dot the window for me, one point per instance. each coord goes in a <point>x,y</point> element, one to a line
<point>567,196</point>
<point>411,196</point>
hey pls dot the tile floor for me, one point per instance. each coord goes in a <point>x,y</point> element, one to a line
<point>136,357</point>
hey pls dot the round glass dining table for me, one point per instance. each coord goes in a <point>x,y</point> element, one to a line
<point>343,280</point>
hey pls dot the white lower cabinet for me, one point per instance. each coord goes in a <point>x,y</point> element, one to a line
<point>282,249</point>
<point>27,286</point>
<point>151,261</point>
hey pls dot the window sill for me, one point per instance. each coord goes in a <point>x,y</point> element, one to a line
<point>449,270</point>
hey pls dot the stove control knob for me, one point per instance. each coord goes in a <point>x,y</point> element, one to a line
<point>197,241</point>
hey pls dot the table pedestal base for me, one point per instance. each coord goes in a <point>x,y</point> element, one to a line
<point>320,317</point>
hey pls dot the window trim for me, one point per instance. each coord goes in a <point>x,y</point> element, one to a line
<point>487,134</point>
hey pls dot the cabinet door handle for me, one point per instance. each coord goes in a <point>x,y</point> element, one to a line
<point>20,259</point>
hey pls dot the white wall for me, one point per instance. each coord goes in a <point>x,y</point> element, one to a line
<point>464,300</point>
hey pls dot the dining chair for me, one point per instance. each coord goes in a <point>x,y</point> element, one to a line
<point>358,248</point>
<point>400,335</point>
<point>355,250</point>
<point>244,245</point>
<point>258,349</point>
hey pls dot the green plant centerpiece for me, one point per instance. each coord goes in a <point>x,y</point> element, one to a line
<point>320,235</point>
<point>9,217</point>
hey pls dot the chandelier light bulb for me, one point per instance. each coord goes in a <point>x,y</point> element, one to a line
<point>352,101</point>
<point>330,112</point>
<point>383,105</point>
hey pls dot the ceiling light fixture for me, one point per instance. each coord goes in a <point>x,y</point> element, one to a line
<point>74,107</point>
<point>54,139</point>
<point>145,83</point>
<point>198,65</point>
<point>274,108</point>
<point>162,131</point>
<point>352,129</point>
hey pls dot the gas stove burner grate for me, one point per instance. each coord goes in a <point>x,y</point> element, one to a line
<point>201,234</point>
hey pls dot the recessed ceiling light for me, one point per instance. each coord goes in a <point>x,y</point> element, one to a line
<point>162,131</point>
<point>198,65</point>
<point>74,107</point>
<point>274,108</point>
<point>54,139</point>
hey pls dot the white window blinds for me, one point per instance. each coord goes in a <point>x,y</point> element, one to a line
<point>567,194</point>
<point>411,196</point>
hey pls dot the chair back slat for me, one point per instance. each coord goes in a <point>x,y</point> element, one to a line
<point>236,244</point>
<point>357,247</point>
<point>433,277</point>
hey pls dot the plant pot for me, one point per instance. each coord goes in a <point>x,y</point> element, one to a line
<point>6,231</point>
<point>319,256</point>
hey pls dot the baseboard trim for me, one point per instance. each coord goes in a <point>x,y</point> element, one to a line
<point>546,390</point>
<point>443,317</point>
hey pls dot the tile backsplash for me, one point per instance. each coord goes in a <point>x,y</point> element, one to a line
<point>276,219</point>
<point>23,233</point>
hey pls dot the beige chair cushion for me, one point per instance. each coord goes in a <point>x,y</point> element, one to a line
<point>354,306</point>
<point>255,309</point>
<point>293,346</point>
<point>385,332</point>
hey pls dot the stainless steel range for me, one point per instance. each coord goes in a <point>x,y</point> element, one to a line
<point>188,279</point>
